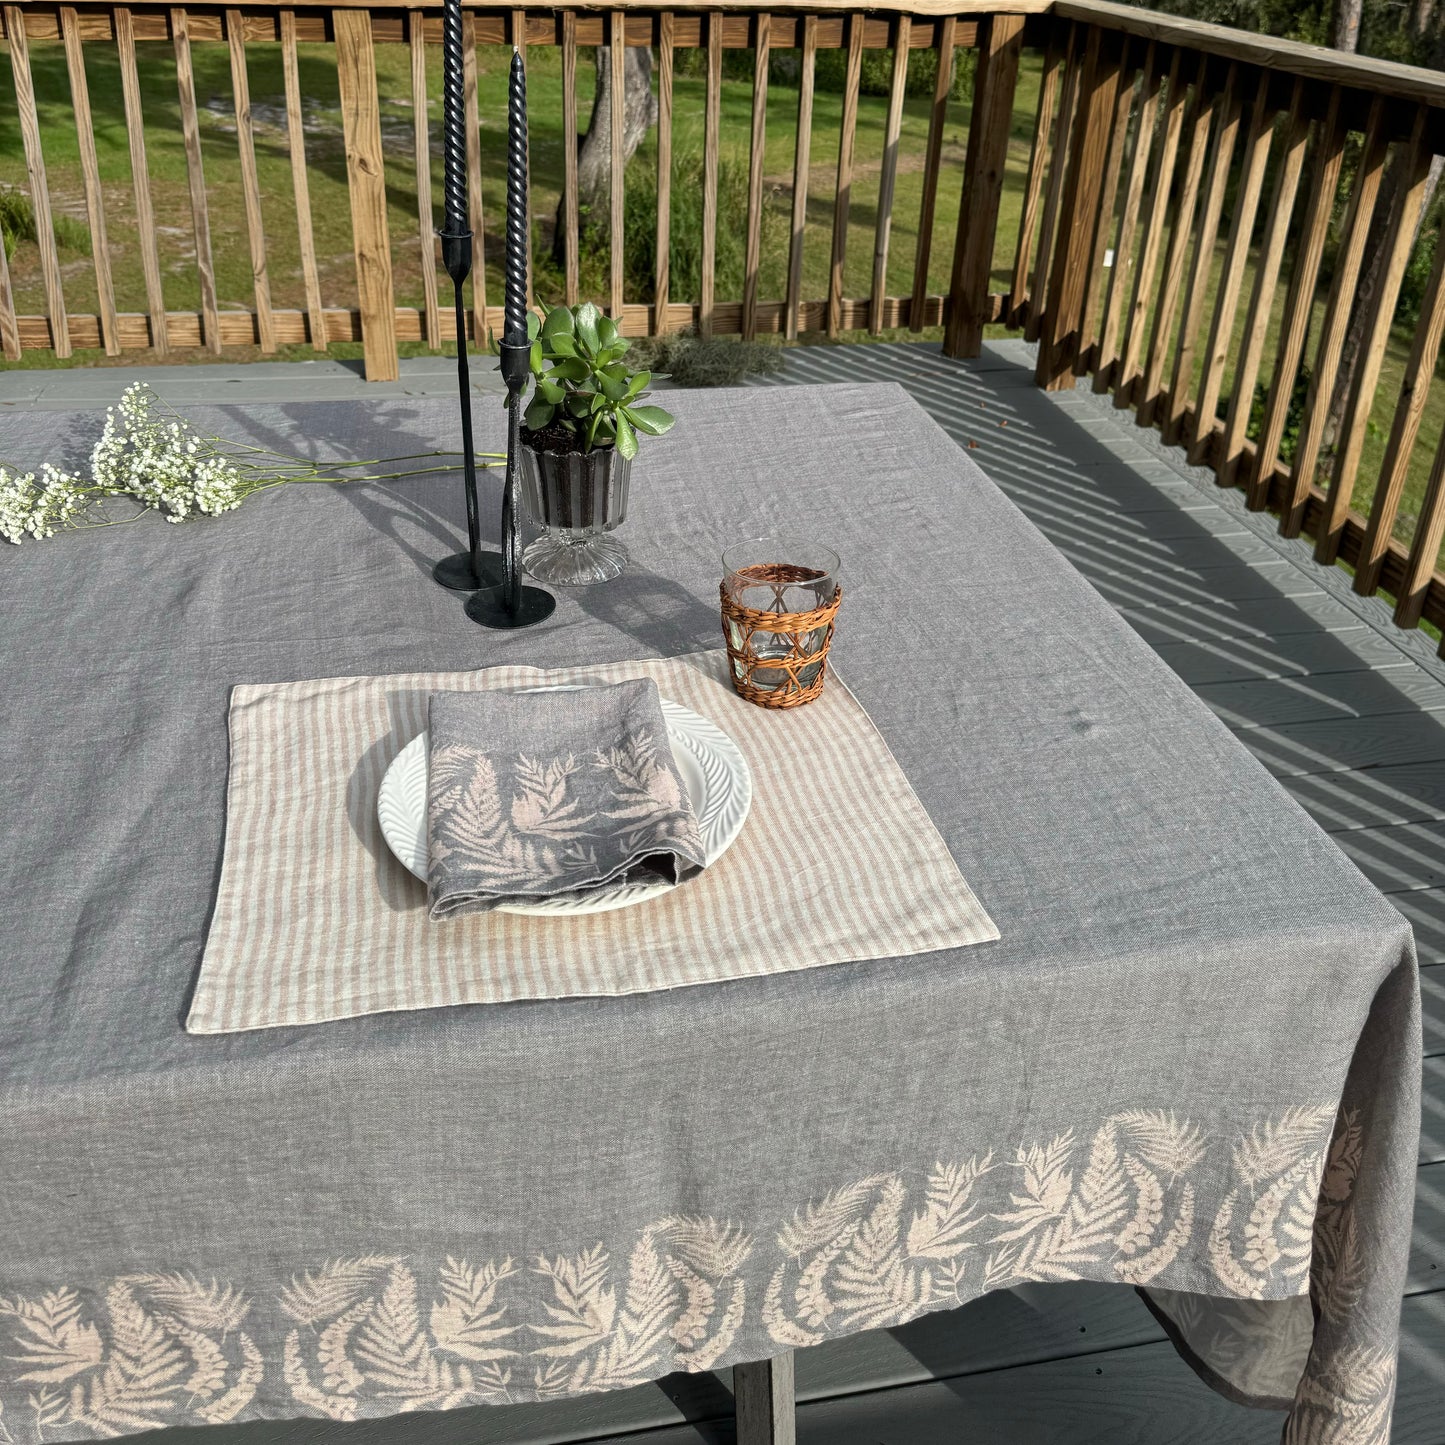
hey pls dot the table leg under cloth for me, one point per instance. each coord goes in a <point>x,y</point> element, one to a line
<point>763,1401</point>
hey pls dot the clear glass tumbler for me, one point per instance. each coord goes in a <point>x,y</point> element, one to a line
<point>784,576</point>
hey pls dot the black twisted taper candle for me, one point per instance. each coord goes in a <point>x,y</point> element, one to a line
<point>511,604</point>
<point>515,350</point>
<point>460,571</point>
<point>517,239</point>
<point>454,122</point>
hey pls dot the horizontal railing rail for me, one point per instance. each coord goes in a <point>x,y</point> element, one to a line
<point>1171,232</point>
<point>1310,62</point>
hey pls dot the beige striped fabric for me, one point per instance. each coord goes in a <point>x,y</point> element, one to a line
<point>316,920</point>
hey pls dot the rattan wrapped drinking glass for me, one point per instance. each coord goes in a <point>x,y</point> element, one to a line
<point>779,600</point>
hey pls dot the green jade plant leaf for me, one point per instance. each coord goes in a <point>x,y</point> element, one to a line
<point>583,385</point>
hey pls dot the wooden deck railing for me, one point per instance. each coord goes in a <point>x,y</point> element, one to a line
<point>356,30</point>
<point>1236,146</point>
<point>1177,239</point>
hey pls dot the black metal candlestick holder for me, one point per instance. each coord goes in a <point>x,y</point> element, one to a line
<point>510,604</point>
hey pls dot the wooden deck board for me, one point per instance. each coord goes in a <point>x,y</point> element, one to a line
<point>1427,1247</point>
<point>1373,798</point>
<point>1238,659</point>
<point>1262,618</point>
<point>1400,858</point>
<point>1432,1114</point>
<point>1137,1396</point>
<point>1270,702</point>
<point>1348,743</point>
<point>1128,585</point>
<point>1432,1003</point>
<point>1432,1118</point>
<point>1032,1323</point>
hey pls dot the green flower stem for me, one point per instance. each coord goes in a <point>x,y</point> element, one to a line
<point>351,481</point>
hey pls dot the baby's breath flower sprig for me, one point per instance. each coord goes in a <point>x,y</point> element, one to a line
<point>162,463</point>
<point>39,504</point>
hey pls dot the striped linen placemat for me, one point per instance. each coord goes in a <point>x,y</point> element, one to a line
<point>315,919</point>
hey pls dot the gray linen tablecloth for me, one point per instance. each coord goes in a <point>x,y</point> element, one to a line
<point>1197,1010</point>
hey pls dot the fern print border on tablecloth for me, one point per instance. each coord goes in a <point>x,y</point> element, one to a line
<point>378,1334</point>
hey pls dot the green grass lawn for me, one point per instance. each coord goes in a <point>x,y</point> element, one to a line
<point>325,155</point>
<point>331,214</point>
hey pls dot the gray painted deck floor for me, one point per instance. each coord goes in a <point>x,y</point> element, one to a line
<point>1348,712</point>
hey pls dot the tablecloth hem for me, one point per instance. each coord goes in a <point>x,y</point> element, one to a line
<point>1209,1376</point>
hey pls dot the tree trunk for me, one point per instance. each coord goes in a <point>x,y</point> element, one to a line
<point>1371,274</point>
<point>594,158</point>
<point>1391,184</point>
<point>1347,25</point>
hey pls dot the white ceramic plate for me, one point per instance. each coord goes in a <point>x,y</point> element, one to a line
<point>712,767</point>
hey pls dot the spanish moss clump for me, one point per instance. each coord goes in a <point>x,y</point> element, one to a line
<point>690,360</point>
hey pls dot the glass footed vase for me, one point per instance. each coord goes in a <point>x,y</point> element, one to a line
<point>580,498</point>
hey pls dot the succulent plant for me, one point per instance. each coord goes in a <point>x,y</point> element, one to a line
<point>583,385</point>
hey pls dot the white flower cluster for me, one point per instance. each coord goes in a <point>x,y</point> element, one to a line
<point>38,504</point>
<point>163,464</point>
<point>160,463</point>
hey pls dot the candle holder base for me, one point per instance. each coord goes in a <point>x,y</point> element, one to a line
<point>488,608</point>
<point>458,573</point>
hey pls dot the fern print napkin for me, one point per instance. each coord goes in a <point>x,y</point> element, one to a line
<point>532,795</point>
